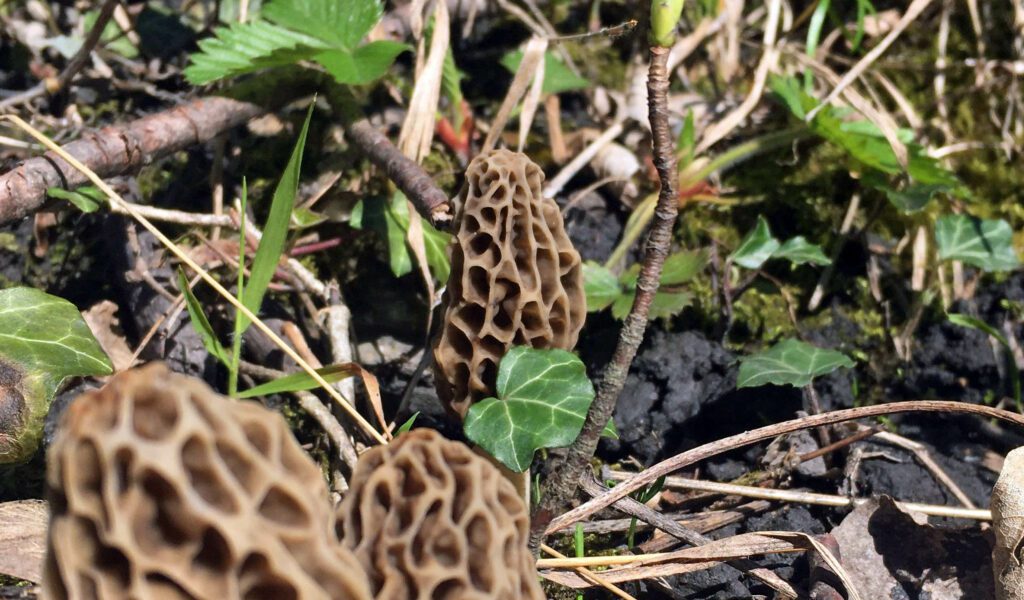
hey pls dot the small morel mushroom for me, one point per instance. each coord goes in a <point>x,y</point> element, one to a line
<point>160,488</point>
<point>428,518</point>
<point>515,278</point>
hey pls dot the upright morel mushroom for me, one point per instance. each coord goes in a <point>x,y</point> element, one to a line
<point>515,279</point>
<point>428,518</point>
<point>160,488</point>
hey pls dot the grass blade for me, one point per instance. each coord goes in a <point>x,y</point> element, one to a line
<point>200,322</point>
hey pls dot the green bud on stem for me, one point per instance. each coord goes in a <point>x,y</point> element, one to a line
<point>664,17</point>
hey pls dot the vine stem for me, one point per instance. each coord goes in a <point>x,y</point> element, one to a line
<point>565,474</point>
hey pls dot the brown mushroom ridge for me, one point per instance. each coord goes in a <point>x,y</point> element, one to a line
<point>159,488</point>
<point>428,518</point>
<point>515,278</point>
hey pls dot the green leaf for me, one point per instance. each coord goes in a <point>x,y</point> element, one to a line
<point>790,362</point>
<point>201,323</point>
<point>799,251</point>
<point>275,231</point>
<point>986,244</point>
<point>362,65</point>
<point>683,266</point>
<point>247,47</point>
<point>976,323</point>
<point>45,333</point>
<point>391,220</point>
<point>340,24</point>
<point>610,431</point>
<point>407,426</point>
<point>757,247</point>
<point>86,199</point>
<point>298,382</point>
<point>600,285</point>
<point>451,88</point>
<point>557,77</point>
<point>43,341</point>
<point>543,397</point>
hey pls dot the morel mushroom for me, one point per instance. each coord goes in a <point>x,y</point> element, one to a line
<point>428,518</point>
<point>515,278</point>
<point>160,488</point>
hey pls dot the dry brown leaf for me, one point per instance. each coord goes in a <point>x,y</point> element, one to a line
<point>1008,521</point>
<point>106,328</point>
<point>23,538</point>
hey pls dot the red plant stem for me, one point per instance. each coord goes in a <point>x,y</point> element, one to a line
<point>564,476</point>
<point>315,247</point>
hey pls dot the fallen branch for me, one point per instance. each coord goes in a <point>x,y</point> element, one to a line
<point>119,149</point>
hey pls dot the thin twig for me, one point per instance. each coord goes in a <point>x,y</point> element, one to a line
<point>746,438</point>
<point>565,474</point>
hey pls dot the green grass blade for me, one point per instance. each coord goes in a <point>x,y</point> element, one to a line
<point>301,381</point>
<point>200,322</point>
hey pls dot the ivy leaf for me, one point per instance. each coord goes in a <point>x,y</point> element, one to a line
<point>543,397</point>
<point>557,77</point>
<point>363,65</point>
<point>790,362</point>
<point>757,247</point>
<point>986,244</point>
<point>799,251</point>
<point>600,286</point>
<point>339,24</point>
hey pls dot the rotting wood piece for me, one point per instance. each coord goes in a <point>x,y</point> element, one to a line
<point>515,278</point>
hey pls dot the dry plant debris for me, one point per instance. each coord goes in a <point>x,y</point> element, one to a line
<point>1008,523</point>
<point>515,278</point>
<point>160,488</point>
<point>428,518</point>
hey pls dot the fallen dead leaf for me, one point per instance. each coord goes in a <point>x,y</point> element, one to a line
<point>106,327</point>
<point>1008,522</point>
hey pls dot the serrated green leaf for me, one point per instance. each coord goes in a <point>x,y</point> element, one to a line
<point>757,247</point>
<point>362,65</point>
<point>247,47</point>
<point>340,24</point>
<point>986,244</point>
<point>543,397</point>
<point>275,231</point>
<point>298,382</point>
<point>202,324</point>
<point>798,251</point>
<point>557,77</point>
<point>47,334</point>
<point>600,286</point>
<point>86,199</point>
<point>790,362</point>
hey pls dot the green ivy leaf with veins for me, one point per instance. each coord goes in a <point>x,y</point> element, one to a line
<point>790,362</point>
<point>985,244</point>
<point>543,398</point>
<point>43,341</point>
<point>760,245</point>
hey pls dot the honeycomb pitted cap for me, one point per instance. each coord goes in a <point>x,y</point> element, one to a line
<point>515,278</point>
<point>428,518</point>
<point>161,489</point>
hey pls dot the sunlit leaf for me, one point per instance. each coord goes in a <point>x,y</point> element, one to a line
<point>543,398</point>
<point>341,24</point>
<point>86,199</point>
<point>247,47</point>
<point>986,244</point>
<point>301,381</point>
<point>600,285</point>
<point>362,65</point>
<point>275,230</point>
<point>790,362</point>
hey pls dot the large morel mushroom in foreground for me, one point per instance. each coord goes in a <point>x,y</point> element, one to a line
<point>161,489</point>
<point>515,278</point>
<point>429,519</point>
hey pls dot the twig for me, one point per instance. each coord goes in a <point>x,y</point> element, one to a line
<point>119,149</point>
<point>565,474</point>
<point>636,509</point>
<point>746,438</point>
<point>54,85</point>
<point>750,491</point>
<point>590,575</point>
<point>580,160</point>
